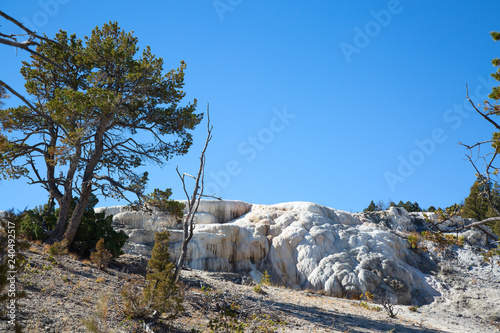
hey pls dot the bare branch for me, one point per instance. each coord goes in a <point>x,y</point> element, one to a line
<point>193,201</point>
<point>9,88</point>
<point>478,224</point>
<point>485,116</point>
<point>33,34</point>
<point>16,22</point>
<point>25,46</point>
<point>478,144</point>
<point>187,174</point>
<point>183,184</point>
<point>210,196</point>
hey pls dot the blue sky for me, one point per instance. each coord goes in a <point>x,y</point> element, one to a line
<point>334,102</point>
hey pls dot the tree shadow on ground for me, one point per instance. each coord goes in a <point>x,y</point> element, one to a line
<point>335,320</point>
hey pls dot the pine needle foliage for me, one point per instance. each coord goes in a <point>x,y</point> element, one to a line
<point>101,256</point>
<point>161,291</point>
<point>160,295</point>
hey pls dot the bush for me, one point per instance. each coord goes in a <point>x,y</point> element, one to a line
<point>232,316</point>
<point>94,227</point>
<point>477,206</point>
<point>31,226</point>
<point>134,305</point>
<point>258,289</point>
<point>409,206</point>
<point>101,256</point>
<point>58,248</point>
<point>371,207</point>
<point>266,279</point>
<point>36,222</point>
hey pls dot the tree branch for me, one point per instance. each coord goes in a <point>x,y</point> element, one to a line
<point>25,46</point>
<point>482,114</point>
<point>15,93</point>
<point>193,201</point>
<point>477,224</point>
<point>32,33</point>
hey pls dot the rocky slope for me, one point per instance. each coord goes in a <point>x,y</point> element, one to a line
<point>306,246</point>
<point>59,298</point>
<point>315,251</point>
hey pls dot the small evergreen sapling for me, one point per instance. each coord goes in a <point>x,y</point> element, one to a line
<point>161,291</point>
<point>266,278</point>
<point>161,295</point>
<point>101,256</point>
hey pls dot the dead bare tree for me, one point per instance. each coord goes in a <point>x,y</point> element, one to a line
<point>486,152</point>
<point>475,154</point>
<point>193,201</point>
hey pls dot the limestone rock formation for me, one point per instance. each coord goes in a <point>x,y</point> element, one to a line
<point>141,227</point>
<point>302,245</point>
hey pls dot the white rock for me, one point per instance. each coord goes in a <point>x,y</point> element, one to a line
<point>205,218</point>
<point>302,245</point>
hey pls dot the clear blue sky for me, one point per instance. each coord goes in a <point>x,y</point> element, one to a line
<point>334,102</point>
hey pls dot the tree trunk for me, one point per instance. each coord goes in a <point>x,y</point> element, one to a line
<point>62,220</point>
<point>64,200</point>
<point>86,186</point>
<point>76,217</point>
<point>193,202</point>
<point>184,248</point>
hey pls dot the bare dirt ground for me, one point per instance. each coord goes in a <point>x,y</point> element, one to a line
<point>63,291</point>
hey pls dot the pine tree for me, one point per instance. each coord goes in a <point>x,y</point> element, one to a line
<point>371,207</point>
<point>86,126</point>
<point>477,206</point>
<point>161,291</point>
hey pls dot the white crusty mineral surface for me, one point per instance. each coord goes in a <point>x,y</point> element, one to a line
<point>302,245</point>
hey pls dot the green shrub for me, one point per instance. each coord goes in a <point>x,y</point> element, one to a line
<point>441,240</point>
<point>226,323</point>
<point>258,289</point>
<point>413,239</point>
<point>266,279</point>
<point>32,227</point>
<point>93,227</point>
<point>35,222</point>
<point>492,257</point>
<point>58,248</point>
